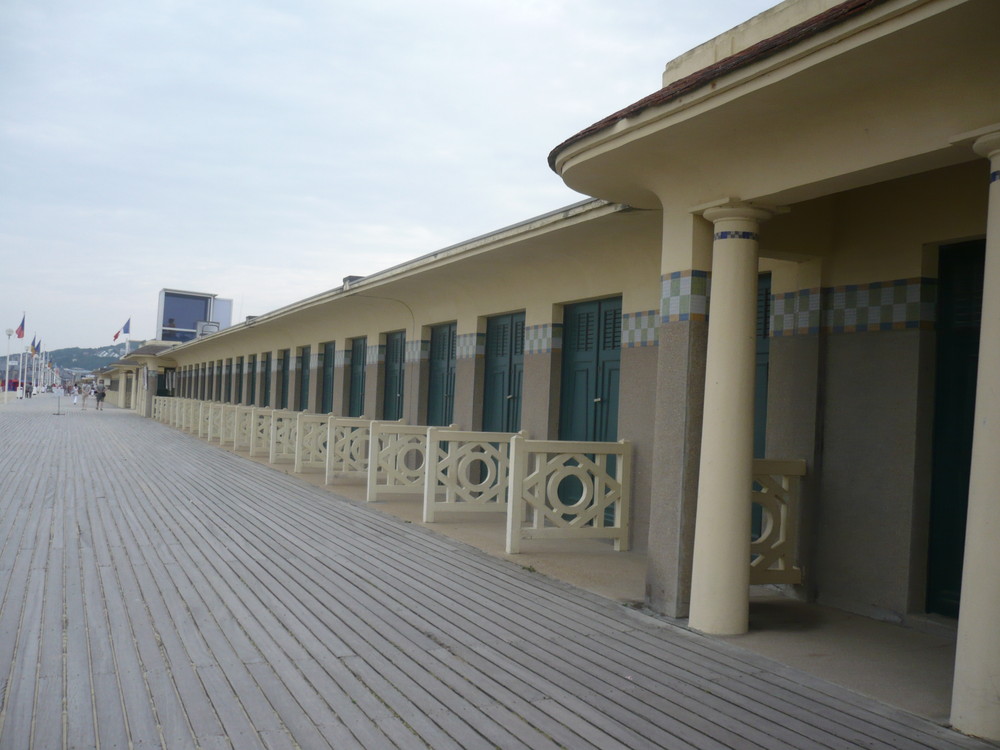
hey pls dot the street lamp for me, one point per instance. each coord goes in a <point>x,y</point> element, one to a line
<point>6,377</point>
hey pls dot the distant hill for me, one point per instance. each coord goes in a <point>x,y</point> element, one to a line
<point>89,360</point>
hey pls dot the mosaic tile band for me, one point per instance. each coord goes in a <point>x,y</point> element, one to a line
<point>640,329</point>
<point>470,345</point>
<point>342,358</point>
<point>734,235</point>
<point>543,338</point>
<point>416,351</point>
<point>856,308</point>
<point>375,355</point>
<point>684,296</point>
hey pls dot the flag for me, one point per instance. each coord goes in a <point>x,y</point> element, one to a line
<point>20,329</point>
<point>39,346</point>
<point>126,329</point>
<point>33,350</point>
<point>117,334</point>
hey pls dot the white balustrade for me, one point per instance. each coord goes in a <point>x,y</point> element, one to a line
<point>227,424</point>
<point>242,427</point>
<point>214,431</point>
<point>347,448</point>
<point>283,432</point>
<point>466,471</point>
<point>569,490</point>
<point>260,437</point>
<point>397,458</point>
<point>777,492</point>
<point>311,433</point>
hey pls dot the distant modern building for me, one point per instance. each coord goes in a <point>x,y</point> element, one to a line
<point>184,316</point>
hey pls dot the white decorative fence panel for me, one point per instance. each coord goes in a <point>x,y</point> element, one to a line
<point>569,490</point>
<point>204,419</point>
<point>242,427</point>
<point>397,457</point>
<point>310,441</point>
<point>159,407</point>
<point>191,412</point>
<point>466,471</point>
<point>777,491</point>
<point>260,437</point>
<point>283,432</point>
<point>227,424</point>
<point>214,421</point>
<point>347,448</point>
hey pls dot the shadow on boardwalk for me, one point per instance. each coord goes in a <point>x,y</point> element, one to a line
<point>160,592</point>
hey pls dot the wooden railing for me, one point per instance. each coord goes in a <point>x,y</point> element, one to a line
<point>549,489</point>
<point>568,490</point>
<point>311,435</point>
<point>466,471</point>
<point>347,448</point>
<point>777,491</point>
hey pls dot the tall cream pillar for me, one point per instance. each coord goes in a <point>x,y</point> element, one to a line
<point>975,702</point>
<point>720,577</point>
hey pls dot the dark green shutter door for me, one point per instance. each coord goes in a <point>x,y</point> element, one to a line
<point>305,364</point>
<point>359,358</point>
<point>395,359</point>
<point>265,400</point>
<point>591,370</point>
<point>760,384</point>
<point>441,376</point>
<point>285,365</point>
<point>504,365</point>
<point>960,300</point>
<point>252,380</point>
<point>329,358</point>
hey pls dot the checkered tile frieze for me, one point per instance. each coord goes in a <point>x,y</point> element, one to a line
<point>542,339</point>
<point>796,313</point>
<point>418,350</point>
<point>469,345</point>
<point>375,355</point>
<point>880,306</point>
<point>342,358</point>
<point>640,328</point>
<point>856,308</point>
<point>684,296</point>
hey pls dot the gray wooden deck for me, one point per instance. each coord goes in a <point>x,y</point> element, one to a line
<point>161,592</point>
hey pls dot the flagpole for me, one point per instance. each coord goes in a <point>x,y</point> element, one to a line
<point>6,378</point>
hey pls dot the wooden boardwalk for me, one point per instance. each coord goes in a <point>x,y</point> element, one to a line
<point>161,592</point>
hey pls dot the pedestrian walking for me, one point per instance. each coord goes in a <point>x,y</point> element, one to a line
<point>76,393</point>
<point>86,395</point>
<point>99,398</point>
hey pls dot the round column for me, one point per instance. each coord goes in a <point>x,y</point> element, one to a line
<point>720,577</point>
<point>975,706</point>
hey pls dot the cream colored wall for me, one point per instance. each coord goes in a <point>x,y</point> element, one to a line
<point>882,232</point>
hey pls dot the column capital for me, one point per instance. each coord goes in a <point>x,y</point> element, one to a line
<point>988,145</point>
<point>738,212</point>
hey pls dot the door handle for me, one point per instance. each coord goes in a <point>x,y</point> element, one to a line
<point>510,395</point>
<point>597,400</point>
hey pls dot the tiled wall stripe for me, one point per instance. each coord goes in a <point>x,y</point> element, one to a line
<point>469,345</point>
<point>375,355</point>
<point>856,308</point>
<point>684,296</point>
<point>342,358</point>
<point>417,351</point>
<point>640,328</point>
<point>543,338</point>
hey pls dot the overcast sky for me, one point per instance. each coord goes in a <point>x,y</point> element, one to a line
<point>264,150</point>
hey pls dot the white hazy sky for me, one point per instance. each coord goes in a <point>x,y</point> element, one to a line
<point>264,150</point>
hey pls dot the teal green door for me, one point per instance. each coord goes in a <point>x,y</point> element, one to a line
<point>761,365</point>
<point>359,358</point>
<point>590,370</point>
<point>395,360</point>
<point>504,365</point>
<point>960,300</point>
<point>305,363</point>
<point>441,377</point>
<point>328,358</point>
